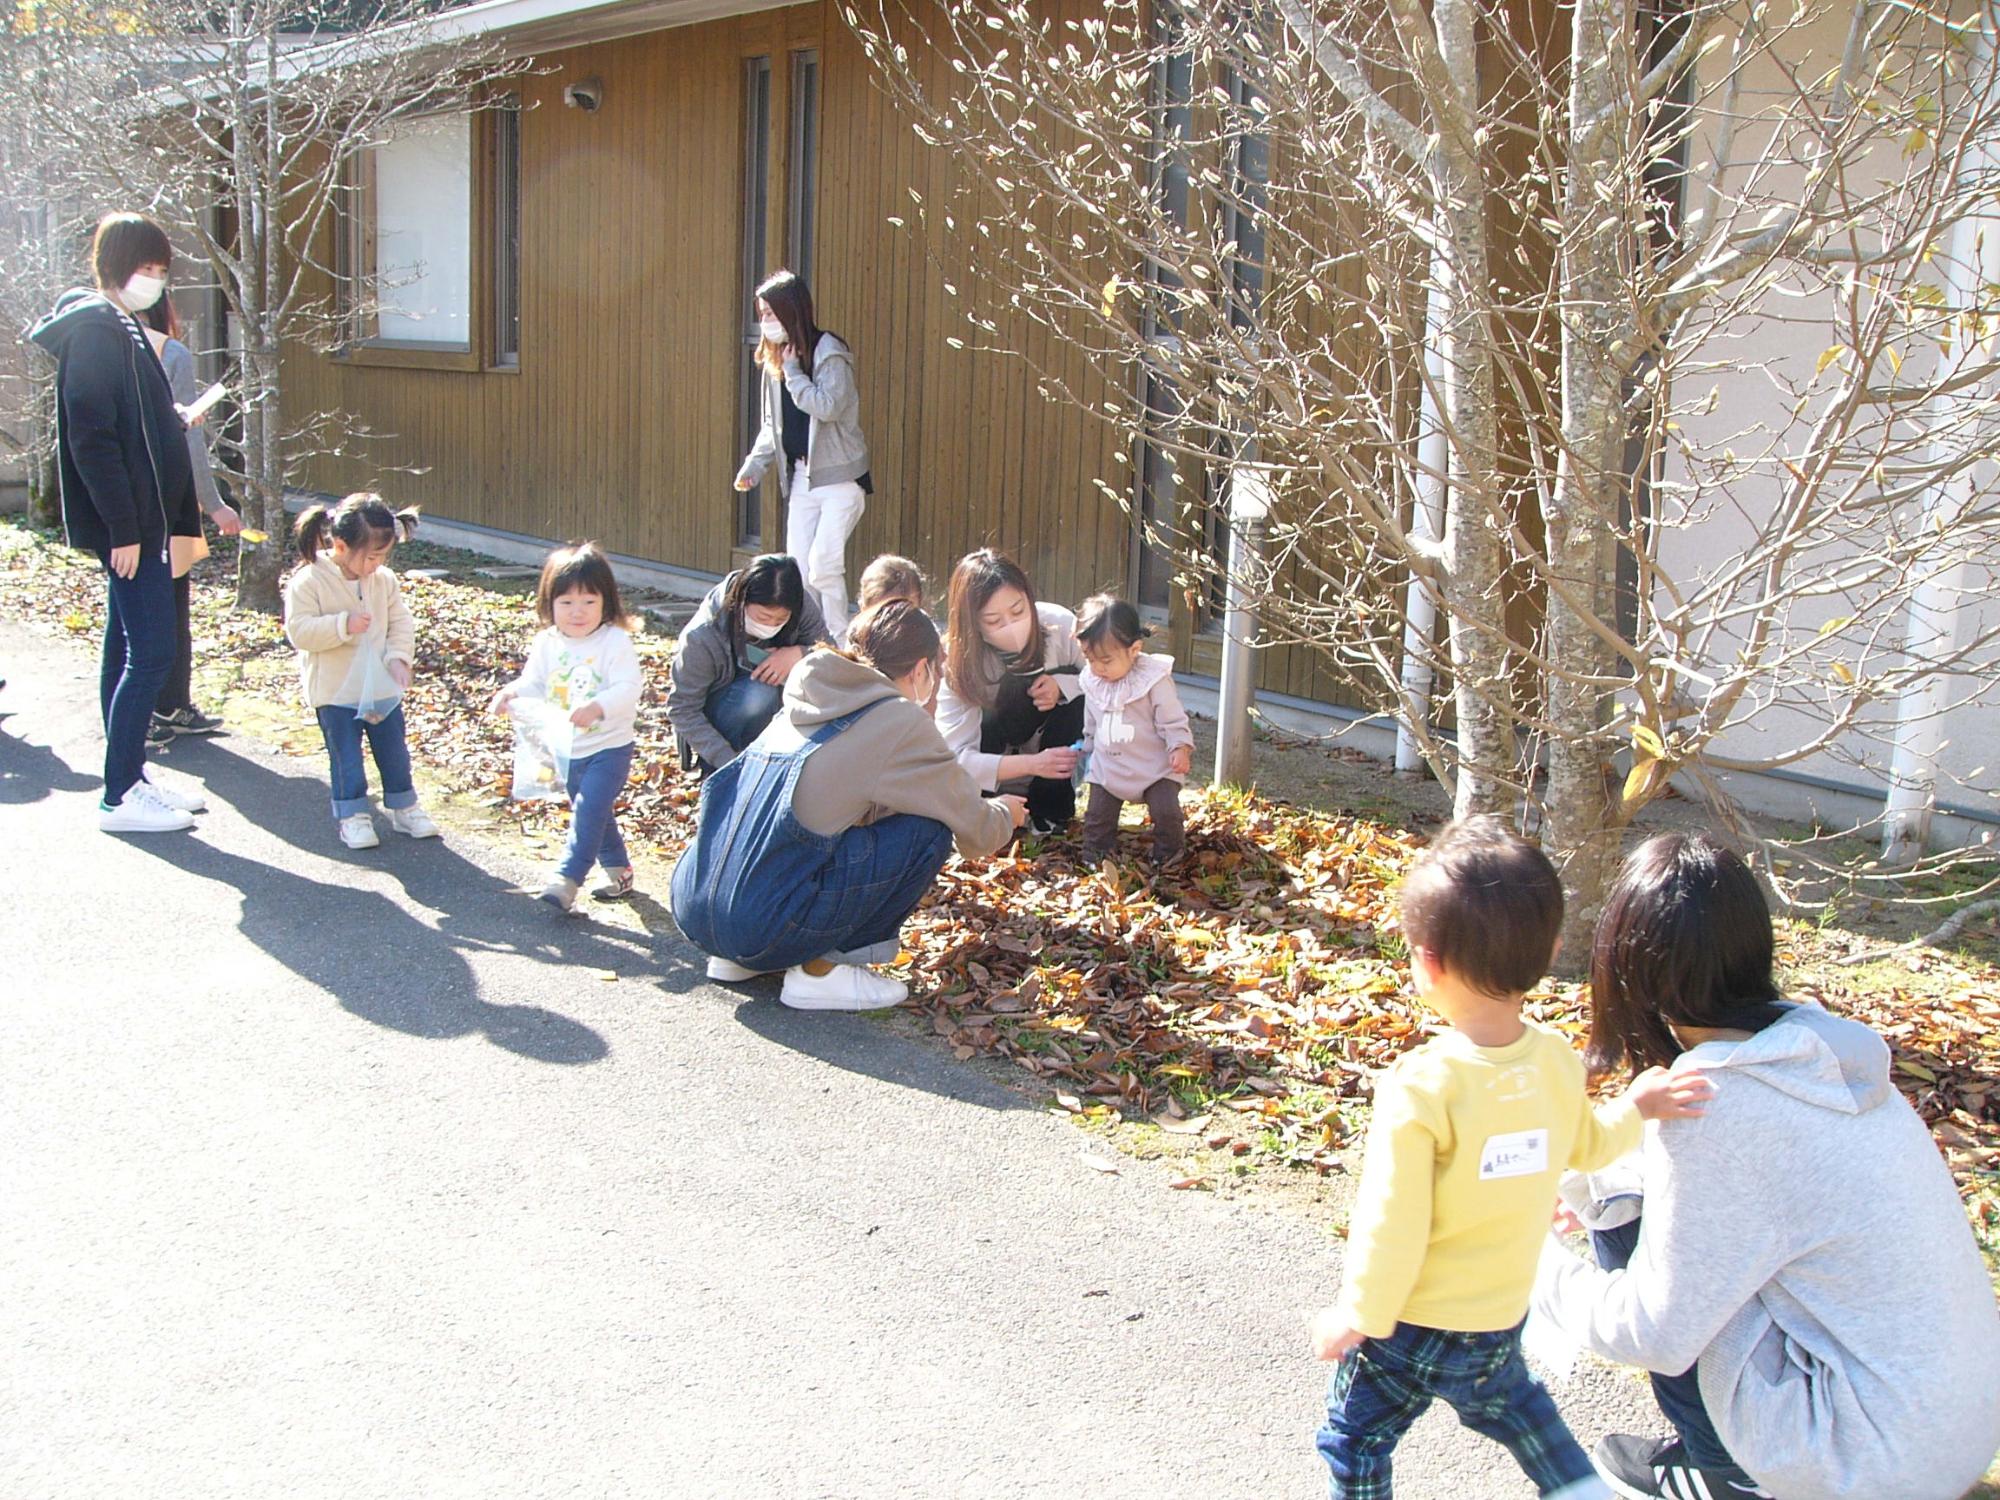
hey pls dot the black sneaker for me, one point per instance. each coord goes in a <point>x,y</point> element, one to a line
<point>1656,1469</point>
<point>190,720</point>
<point>160,733</point>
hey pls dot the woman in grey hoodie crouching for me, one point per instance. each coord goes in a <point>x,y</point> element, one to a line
<point>1794,1266</point>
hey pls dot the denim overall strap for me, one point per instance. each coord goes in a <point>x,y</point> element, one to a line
<point>745,887</point>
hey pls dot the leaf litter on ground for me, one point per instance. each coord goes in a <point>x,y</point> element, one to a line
<point>1255,989</point>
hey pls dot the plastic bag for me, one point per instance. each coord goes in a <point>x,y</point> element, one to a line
<point>368,688</point>
<point>544,745</point>
<point>1080,772</point>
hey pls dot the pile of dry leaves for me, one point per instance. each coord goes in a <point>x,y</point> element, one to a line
<point>1263,975</point>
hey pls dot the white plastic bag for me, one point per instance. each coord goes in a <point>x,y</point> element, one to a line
<point>544,745</point>
<point>368,688</point>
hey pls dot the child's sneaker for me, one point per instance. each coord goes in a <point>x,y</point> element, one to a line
<point>617,885</point>
<point>413,821</point>
<point>142,810</point>
<point>1657,1469</point>
<point>357,831</point>
<point>559,893</point>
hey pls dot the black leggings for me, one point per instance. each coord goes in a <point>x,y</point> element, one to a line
<point>1014,726</point>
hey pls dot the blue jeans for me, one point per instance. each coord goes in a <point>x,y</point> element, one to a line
<point>1679,1396</point>
<point>140,641</point>
<point>740,709</point>
<point>595,782</point>
<point>1386,1384</point>
<point>343,728</point>
<point>759,888</point>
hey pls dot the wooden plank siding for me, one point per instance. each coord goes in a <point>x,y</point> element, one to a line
<point>620,422</point>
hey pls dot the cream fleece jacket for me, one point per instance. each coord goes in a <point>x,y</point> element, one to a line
<point>319,598</point>
<point>891,760</point>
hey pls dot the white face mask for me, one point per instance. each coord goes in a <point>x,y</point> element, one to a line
<point>757,630</point>
<point>1011,640</point>
<point>772,329</point>
<point>141,292</point>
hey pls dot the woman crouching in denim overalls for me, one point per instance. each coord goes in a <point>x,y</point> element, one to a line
<point>818,840</point>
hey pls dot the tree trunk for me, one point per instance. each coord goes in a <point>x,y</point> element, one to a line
<point>264,468</point>
<point>1474,551</point>
<point>1585,807</point>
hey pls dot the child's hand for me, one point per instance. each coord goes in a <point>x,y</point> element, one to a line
<point>1566,1221</point>
<point>588,715</point>
<point>358,621</point>
<point>1045,691</point>
<point>399,673</point>
<point>1660,1095</point>
<point>1182,760</point>
<point>1331,1337</point>
<point>501,701</point>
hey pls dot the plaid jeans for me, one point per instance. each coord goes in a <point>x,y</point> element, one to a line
<point>1386,1384</point>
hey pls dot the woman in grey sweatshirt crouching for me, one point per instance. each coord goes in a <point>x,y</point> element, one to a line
<point>1793,1266</point>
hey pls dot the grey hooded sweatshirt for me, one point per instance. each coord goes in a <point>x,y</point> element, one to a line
<point>709,654</point>
<point>1803,1243</point>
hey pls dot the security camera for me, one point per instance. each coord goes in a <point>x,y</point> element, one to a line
<point>586,96</point>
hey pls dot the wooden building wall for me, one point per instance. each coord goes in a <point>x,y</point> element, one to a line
<point>621,420</point>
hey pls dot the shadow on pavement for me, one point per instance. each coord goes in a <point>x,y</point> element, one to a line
<point>28,773</point>
<point>381,962</point>
<point>869,1048</point>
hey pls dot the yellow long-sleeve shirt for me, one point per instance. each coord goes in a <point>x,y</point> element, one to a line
<point>1459,1176</point>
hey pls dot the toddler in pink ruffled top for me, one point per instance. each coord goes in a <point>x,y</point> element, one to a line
<point>1134,729</point>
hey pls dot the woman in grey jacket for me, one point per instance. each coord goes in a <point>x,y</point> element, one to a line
<point>812,431</point>
<point>1794,1265</point>
<point>175,712</point>
<point>733,659</point>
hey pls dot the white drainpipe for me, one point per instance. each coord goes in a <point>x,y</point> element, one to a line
<point>1972,264</point>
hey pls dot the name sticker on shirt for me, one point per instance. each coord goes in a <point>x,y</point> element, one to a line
<point>1522,1153</point>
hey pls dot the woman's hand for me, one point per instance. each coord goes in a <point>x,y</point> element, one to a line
<point>399,673</point>
<point>1045,692</point>
<point>775,668</point>
<point>503,700</point>
<point>1660,1095</point>
<point>1052,764</point>
<point>1017,808</point>
<point>1181,761</point>
<point>744,483</point>
<point>125,560</point>
<point>227,521</point>
<point>588,715</point>
<point>358,621</point>
<point>1331,1337</point>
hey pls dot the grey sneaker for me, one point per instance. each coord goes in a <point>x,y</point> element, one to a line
<point>559,893</point>
<point>189,720</point>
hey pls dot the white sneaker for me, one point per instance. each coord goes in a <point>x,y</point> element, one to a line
<point>187,802</point>
<point>844,987</point>
<point>358,832</point>
<point>142,810</point>
<point>559,892</point>
<point>413,821</point>
<point>726,972</point>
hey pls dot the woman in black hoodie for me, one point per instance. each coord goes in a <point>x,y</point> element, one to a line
<point>127,492</point>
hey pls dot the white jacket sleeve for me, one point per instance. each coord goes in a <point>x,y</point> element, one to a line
<point>958,721</point>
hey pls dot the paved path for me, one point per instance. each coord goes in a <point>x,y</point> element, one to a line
<point>343,1174</point>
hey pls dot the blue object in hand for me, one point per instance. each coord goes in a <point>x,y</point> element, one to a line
<point>1082,765</point>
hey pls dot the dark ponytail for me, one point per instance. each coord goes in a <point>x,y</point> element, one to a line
<point>363,519</point>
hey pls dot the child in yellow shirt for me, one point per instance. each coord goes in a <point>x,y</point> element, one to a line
<point>1470,1135</point>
